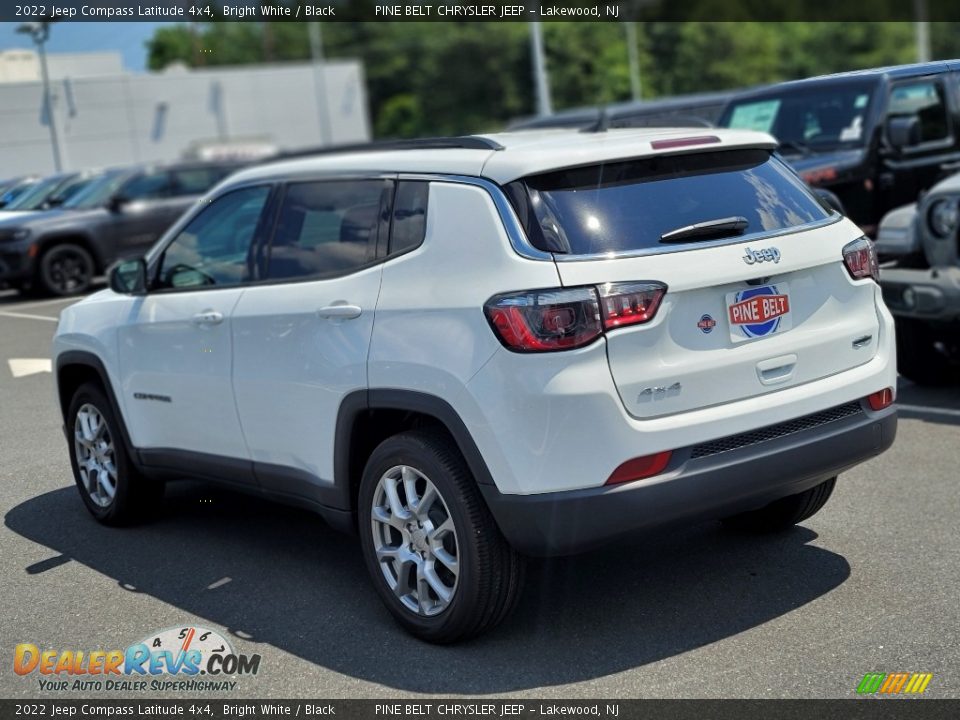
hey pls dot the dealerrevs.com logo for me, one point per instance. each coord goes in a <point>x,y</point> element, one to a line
<point>186,658</point>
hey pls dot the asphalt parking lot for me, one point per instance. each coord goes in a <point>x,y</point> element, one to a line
<point>871,584</point>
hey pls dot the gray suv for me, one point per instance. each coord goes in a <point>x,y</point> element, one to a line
<point>122,213</point>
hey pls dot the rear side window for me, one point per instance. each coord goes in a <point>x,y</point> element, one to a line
<point>326,228</point>
<point>195,181</point>
<point>150,186</point>
<point>630,205</point>
<point>409,225</point>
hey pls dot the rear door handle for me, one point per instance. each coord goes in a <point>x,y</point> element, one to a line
<point>340,311</point>
<point>208,317</point>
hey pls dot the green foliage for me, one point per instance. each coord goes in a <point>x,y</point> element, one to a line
<point>460,77</point>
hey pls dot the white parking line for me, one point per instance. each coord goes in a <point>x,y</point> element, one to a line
<point>45,303</point>
<point>929,410</point>
<point>27,316</point>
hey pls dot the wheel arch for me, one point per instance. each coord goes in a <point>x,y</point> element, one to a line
<point>367,417</point>
<point>75,368</point>
<point>47,242</point>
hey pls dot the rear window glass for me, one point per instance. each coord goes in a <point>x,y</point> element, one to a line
<point>630,205</point>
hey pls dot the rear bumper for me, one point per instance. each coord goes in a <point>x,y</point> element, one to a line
<point>716,485</point>
<point>934,294</point>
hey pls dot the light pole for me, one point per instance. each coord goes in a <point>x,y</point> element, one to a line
<point>633,60</point>
<point>540,81</point>
<point>320,79</point>
<point>39,32</point>
<point>922,30</point>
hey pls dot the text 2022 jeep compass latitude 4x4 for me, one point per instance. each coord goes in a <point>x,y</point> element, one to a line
<point>475,349</point>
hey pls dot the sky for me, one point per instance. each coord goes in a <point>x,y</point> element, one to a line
<point>127,38</point>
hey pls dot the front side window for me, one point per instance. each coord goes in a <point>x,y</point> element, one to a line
<point>215,248</point>
<point>326,228</point>
<point>641,204</point>
<point>924,100</point>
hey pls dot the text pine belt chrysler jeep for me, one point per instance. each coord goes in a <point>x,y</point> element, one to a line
<point>473,349</point>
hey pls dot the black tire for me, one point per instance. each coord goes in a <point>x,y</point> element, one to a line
<point>136,496</point>
<point>919,358</point>
<point>65,270</point>
<point>490,571</point>
<point>784,513</point>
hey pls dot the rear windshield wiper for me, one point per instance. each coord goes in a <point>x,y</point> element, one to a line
<point>719,228</point>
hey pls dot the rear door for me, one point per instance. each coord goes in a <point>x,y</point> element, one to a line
<point>761,302</point>
<point>301,338</point>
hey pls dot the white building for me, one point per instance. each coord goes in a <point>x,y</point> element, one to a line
<point>24,65</point>
<point>118,118</point>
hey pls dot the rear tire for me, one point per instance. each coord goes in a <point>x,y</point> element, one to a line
<point>919,358</point>
<point>113,490</point>
<point>65,270</point>
<point>783,513</point>
<point>440,565</point>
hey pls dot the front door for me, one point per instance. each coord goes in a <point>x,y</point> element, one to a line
<point>176,347</point>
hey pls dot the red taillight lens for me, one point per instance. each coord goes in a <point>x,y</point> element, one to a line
<point>861,259</point>
<point>640,468</point>
<point>629,303</point>
<point>880,399</point>
<point>562,319</point>
<point>545,320</point>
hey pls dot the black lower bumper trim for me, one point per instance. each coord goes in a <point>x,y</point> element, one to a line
<point>565,523</point>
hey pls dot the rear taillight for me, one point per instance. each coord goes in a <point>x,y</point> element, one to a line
<point>881,399</point>
<point>567,318</point>
<point>629,303</point>
<point>861,259</point>
<point>545,320</point>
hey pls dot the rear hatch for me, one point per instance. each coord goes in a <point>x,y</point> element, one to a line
<point>758,296</point>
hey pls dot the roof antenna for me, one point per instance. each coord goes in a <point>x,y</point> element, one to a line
<point>602,123</point>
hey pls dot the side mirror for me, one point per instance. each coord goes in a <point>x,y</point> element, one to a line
<point>129,277</point>
<point>903,131</point>
<point>115,203</point>
<point>54,202</point>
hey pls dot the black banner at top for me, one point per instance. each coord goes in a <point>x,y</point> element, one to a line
<point>484,11</point>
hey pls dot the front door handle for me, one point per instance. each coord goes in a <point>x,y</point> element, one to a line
<point>208,317</point>
<point>340,311</point>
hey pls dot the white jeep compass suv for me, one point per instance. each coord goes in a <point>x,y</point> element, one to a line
<point>472,349</point>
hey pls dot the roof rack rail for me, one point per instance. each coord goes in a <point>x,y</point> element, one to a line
<point>462,142</point>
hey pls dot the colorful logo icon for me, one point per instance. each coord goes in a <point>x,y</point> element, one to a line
<point>757,312</point>
<point>706,324</point>
<point>901,683</point>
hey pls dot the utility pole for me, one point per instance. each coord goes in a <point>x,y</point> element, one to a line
<point>922,30</point>
<point>39,32</point>
<point>633,58</point>
<point>541,83</point>
<point>320,81</point>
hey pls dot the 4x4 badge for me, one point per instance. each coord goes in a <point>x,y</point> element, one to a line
<point>770,254</point>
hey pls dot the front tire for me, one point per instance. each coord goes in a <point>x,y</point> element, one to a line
<point>435,555</point>
<point>109,484</point>
<point>66,270</point>
<point>784,513</point>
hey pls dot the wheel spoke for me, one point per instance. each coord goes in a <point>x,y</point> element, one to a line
<point>409,478</point>
<point>430,579</point>
<point>393,498</point>
<point>445,527</point>
<point>382,516</point>
<point>448,561</point>
<point>103,480</point>
<point>429,498</point>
